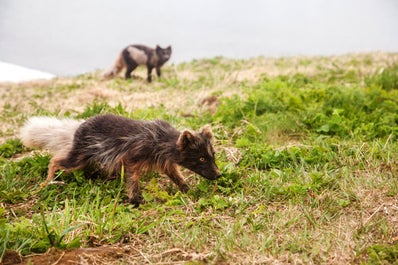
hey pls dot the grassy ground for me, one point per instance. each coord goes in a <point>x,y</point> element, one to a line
<point>307,147</point>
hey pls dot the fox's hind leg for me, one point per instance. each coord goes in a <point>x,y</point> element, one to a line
<point>52,168</point>
<point>130,63</point>
<point>60,163</point>
<point>130,68</point>
<point>133,187</point>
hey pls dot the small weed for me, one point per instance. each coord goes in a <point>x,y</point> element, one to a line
<point>382,254</point>
<point>386,78</point>
<point>11,148</point>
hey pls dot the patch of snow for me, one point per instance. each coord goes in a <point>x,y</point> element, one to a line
<point>15,73</point>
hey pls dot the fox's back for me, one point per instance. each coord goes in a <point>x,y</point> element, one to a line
<point>111,126</point>
<point>106,138</point>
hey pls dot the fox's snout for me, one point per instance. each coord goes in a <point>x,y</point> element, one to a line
<point>218,173</point>
<point>214,174</point>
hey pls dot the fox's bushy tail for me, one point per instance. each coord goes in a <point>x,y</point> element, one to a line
<point>53,134</point>
<point>116,68</point>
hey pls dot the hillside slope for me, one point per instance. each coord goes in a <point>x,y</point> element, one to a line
<point>307,147</point>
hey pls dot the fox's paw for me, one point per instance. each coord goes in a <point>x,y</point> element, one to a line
<point>184,188</point>
<point>136,201</point>
<point>44,184</point>
<point>52,182</point>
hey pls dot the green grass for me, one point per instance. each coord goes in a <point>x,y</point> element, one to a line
<point>309,165</point>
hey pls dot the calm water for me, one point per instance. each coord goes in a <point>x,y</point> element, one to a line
<point>75,36</point>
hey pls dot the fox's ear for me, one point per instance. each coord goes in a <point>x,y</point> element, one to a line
<point>206,132</point>
<point>186,138</point>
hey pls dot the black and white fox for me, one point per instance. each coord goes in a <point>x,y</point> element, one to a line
<point>110,143</point>
<point>134,55</point>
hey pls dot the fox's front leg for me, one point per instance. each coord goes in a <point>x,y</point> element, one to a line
<point>174,173</point>
<point>158,72</point>
<point>149,78</point>
<point>133,188</point>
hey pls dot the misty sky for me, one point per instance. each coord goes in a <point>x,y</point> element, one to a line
<point>71,37</point>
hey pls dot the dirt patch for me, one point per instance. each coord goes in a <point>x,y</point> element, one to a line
<point>116,254</point>
<point>100,255</point>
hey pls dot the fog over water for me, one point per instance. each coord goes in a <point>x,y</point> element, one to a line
<point>71,37</point>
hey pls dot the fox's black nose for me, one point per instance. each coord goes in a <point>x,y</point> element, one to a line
<point>218,174</point>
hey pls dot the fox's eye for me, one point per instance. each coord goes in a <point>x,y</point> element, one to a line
<point>202,159</point>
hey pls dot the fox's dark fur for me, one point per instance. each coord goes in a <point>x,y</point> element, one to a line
<point>110,143</point>
<point>134,55</point>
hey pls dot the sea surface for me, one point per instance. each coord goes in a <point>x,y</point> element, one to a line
<point>76,36</point>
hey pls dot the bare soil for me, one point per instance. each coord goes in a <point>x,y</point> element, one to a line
<point>116,254</point>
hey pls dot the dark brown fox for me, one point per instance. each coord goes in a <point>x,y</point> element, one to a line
<point>134,55</point>
<point>110,143</point>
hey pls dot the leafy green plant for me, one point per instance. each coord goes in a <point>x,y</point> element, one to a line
<point>386,78</point>
<point>11,148</point>
<point>382,254</point>
<point>55,239</point>
<point>100,108</point>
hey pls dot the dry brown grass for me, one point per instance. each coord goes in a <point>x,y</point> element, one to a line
<point>63,95</point>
